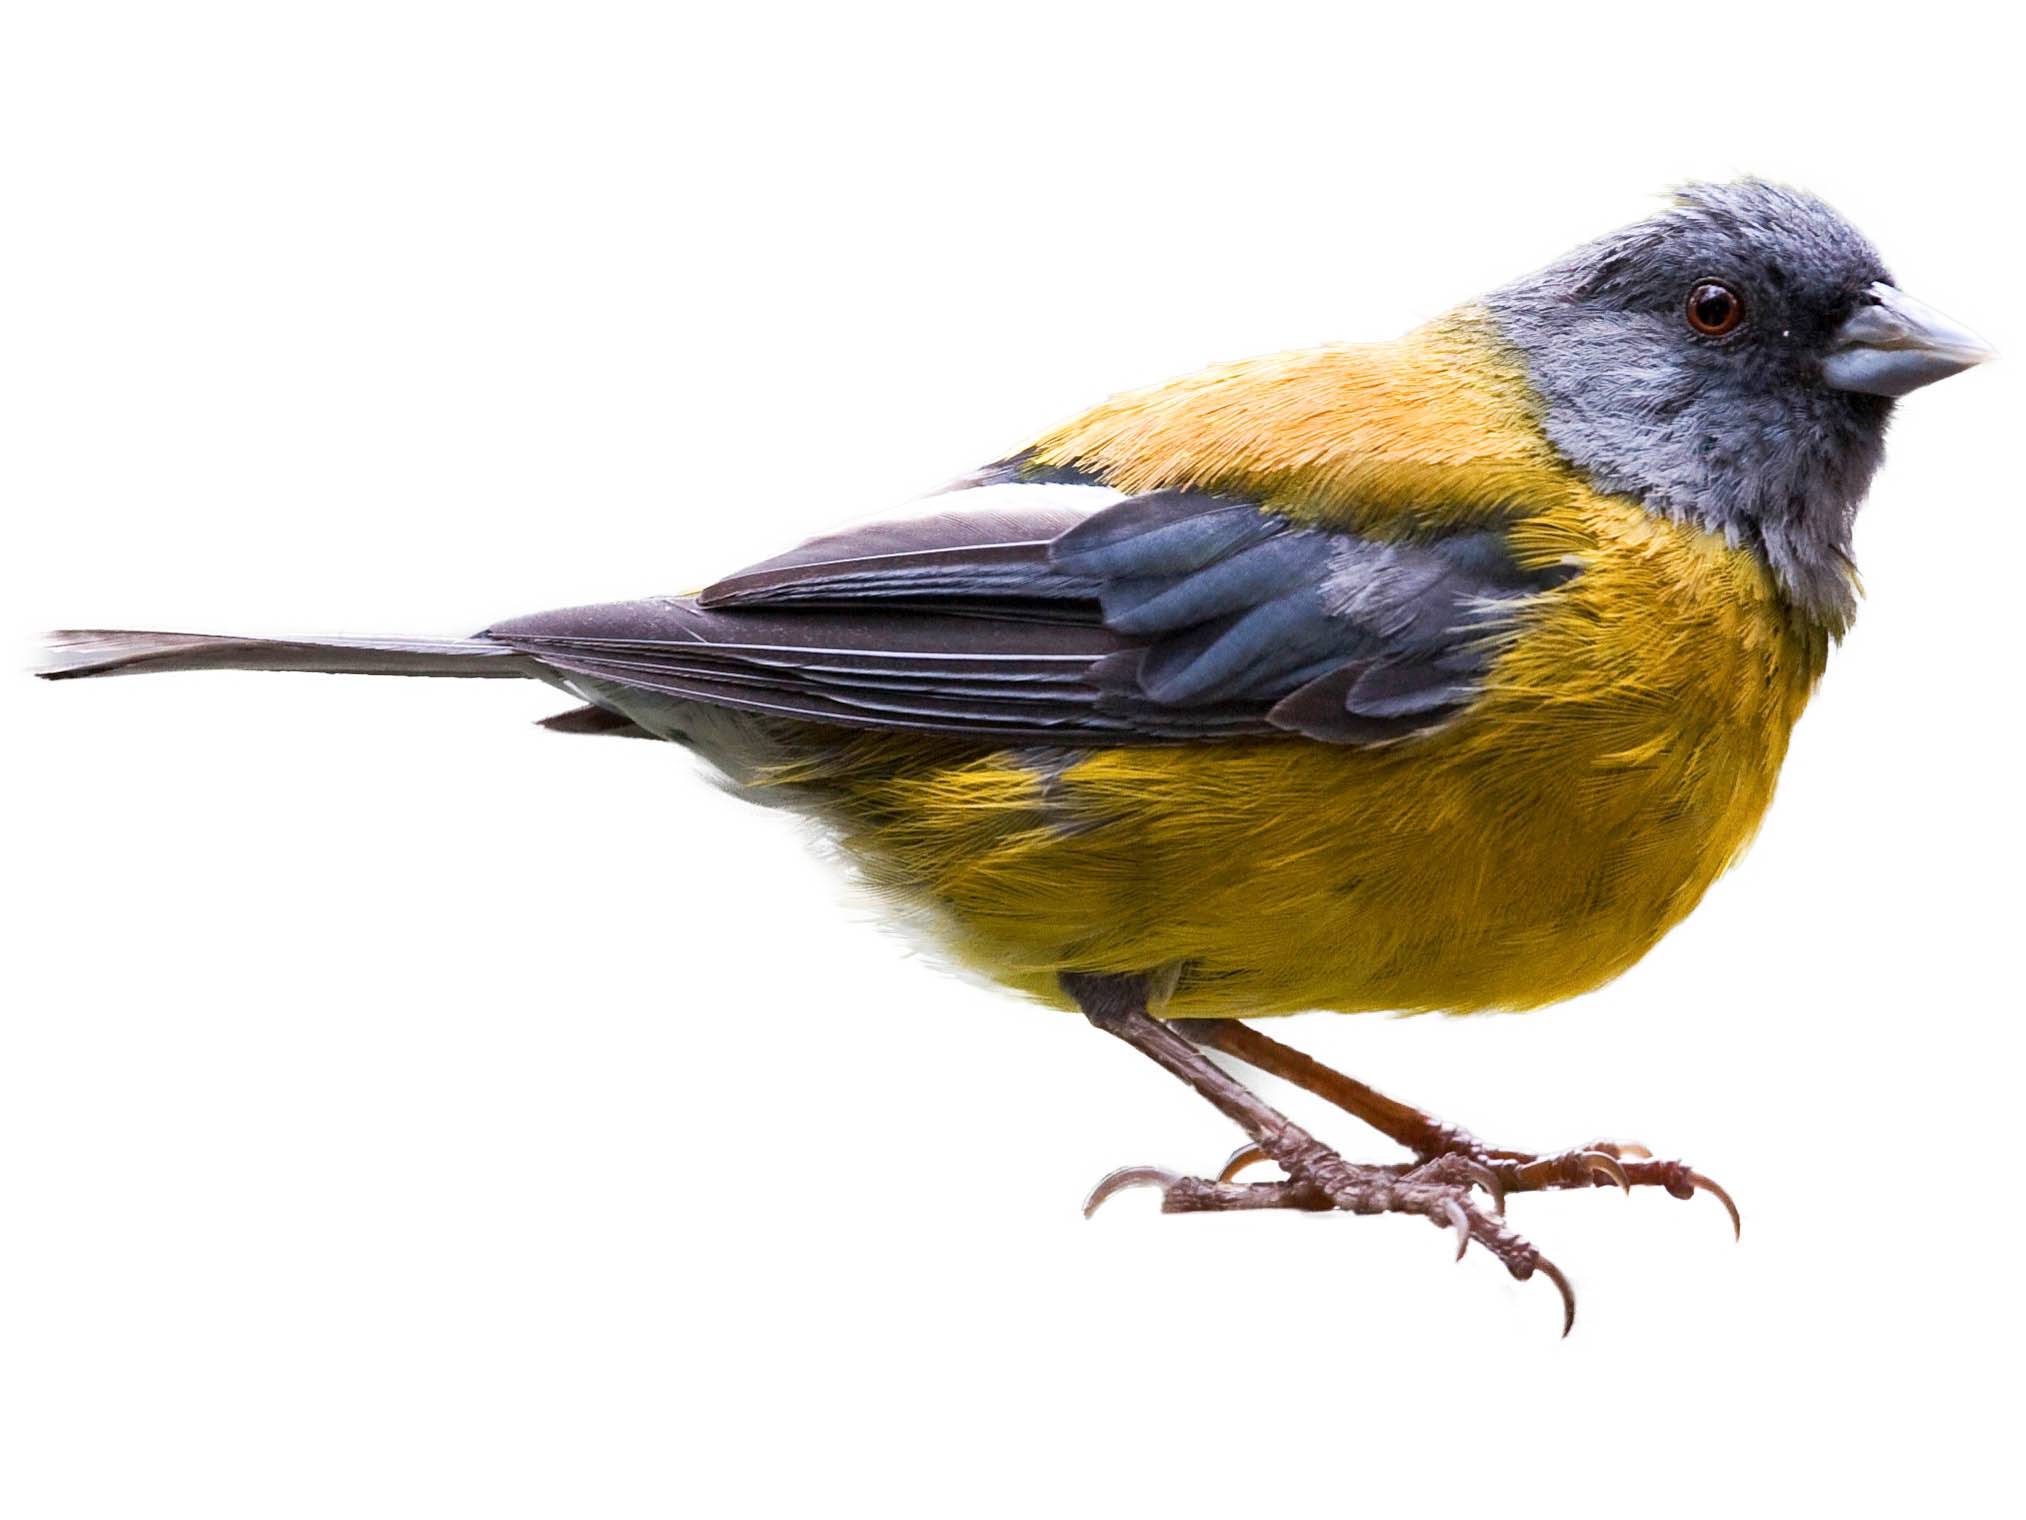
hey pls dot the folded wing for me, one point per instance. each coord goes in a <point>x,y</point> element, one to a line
<point>1158,618</point>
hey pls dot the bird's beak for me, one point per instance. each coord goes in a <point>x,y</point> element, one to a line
<point>1893,344</point>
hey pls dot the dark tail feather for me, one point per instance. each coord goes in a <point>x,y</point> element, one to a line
<point>118,651</point>
<point>594,720</point>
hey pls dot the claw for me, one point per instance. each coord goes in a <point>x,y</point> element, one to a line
<point>1460,1222</point>
<point>1707,1185</point>
<point>1604,1164</point>
<point>1455,1167</point>
<point>1487,1179</point>
<point>1624,1148</point>
<point>1553,1274</point>
<point>1246,1155</point>
<point>1128,1177</point>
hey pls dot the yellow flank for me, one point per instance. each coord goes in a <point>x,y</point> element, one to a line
<point>1622,754</point>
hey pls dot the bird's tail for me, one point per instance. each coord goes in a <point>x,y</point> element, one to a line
<point>119,651</point>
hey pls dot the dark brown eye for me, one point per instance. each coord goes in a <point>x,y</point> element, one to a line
<point>1714,309</point>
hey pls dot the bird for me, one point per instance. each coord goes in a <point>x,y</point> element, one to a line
<point>1443,673</point>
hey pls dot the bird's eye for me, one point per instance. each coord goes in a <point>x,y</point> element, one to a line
<point>1714,309</point>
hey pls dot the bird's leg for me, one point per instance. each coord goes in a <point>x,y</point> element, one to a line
<point>1438,1188</point>
<point>1602,1163</point>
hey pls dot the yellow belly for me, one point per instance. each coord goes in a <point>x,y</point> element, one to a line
<point>1623,754</point>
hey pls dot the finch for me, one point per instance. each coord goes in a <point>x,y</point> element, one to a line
<point>1444,673</point>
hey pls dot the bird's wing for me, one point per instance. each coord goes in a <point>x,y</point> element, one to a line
<point>1163,617</point>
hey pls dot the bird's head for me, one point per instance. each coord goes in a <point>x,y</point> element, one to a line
<point>1733,361</point>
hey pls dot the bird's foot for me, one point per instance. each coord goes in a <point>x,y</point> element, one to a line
<point>1438,1189</point>
<point>1608,1163</point>
<point>1602,1163</point>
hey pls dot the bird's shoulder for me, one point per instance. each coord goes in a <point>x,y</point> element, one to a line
<point>1434,430</point>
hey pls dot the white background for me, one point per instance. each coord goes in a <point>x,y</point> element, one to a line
<point>404,1111</point>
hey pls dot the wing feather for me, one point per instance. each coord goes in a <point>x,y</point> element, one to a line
<point>1153,619</point>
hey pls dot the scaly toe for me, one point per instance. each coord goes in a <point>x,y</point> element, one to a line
<point>1682,1181</point>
